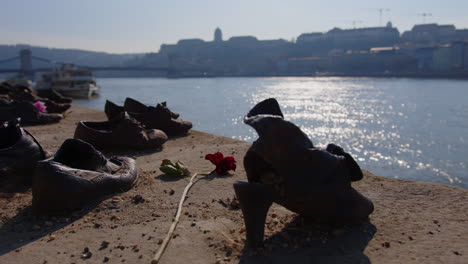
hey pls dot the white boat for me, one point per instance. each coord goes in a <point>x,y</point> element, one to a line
<point>70,81</point>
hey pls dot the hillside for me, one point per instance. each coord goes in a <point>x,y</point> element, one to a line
<point>78,57</point>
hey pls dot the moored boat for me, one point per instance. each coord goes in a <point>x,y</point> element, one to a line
<point>69,80</point>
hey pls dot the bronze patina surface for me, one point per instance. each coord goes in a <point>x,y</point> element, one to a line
<point>283,166</point>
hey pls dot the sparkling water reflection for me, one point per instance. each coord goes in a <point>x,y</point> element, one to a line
<point>401,128</point>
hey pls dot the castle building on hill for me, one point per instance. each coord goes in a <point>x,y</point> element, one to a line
<point>434,33</point>
<point>429,47</point>
<point>357,38</point>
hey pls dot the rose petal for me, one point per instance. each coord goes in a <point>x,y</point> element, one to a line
<point>215,158</point>
<point>225,165</point>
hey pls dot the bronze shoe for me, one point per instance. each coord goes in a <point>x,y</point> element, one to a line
<point>122,131</point>
<point>27,112</point>
<point>134,106</point>
<point>19,153</point>
<point>22,93</point>
<point>159,117</point>
<point>284,167</point>
<point>53,107</point>
<point>112,110</point>
<point>77,174</point>
<point>54,96</point>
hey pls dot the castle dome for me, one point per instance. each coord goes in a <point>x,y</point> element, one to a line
<point>218,35</point>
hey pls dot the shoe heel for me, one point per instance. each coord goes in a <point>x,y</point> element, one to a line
<point>255,200</point>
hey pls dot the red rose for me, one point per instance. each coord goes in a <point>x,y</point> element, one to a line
<point>223,164</point>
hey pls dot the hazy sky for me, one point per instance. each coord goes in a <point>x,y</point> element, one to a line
<point>128,26</point>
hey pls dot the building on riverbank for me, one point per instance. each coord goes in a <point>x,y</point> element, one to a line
<point>434,33</point>
<point>375,50</point>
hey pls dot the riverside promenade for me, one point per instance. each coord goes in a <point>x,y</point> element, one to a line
<point>413,222</point>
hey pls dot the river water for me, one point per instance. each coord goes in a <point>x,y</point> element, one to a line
<point>401,128</point>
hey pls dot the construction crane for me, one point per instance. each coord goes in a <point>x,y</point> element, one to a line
<point>424,15</point>
<point>381,10</point>
<point>356,22</point>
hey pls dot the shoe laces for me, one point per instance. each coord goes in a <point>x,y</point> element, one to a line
<point>37,143</point>
<point>133,123</point>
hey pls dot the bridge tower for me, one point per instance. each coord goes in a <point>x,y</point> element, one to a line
<point>26,62</point>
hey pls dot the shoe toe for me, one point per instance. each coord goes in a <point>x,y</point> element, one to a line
<point>175,115</point>
<point>49,118</point>
<point>185,124</point>
<point>156,137</point>
<point>179,127</point>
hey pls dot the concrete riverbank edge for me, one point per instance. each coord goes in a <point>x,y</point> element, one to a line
<point>414,222</point>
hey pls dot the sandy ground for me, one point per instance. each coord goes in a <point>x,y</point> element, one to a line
<point>414,222</point>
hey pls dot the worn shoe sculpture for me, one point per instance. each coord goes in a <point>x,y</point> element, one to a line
<point>20,93</point>
<point>284,167</point>
<point>28,113</point>
<point>134,106</point>
<point>54,96</point>
<point>77,174</point>
<point>159,117</point>
<point>122,131</point>
<point>19,153</point>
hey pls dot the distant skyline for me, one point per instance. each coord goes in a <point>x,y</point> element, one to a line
<point>125,26</point>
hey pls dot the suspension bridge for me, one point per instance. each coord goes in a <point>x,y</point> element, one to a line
<point>26,66</point>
